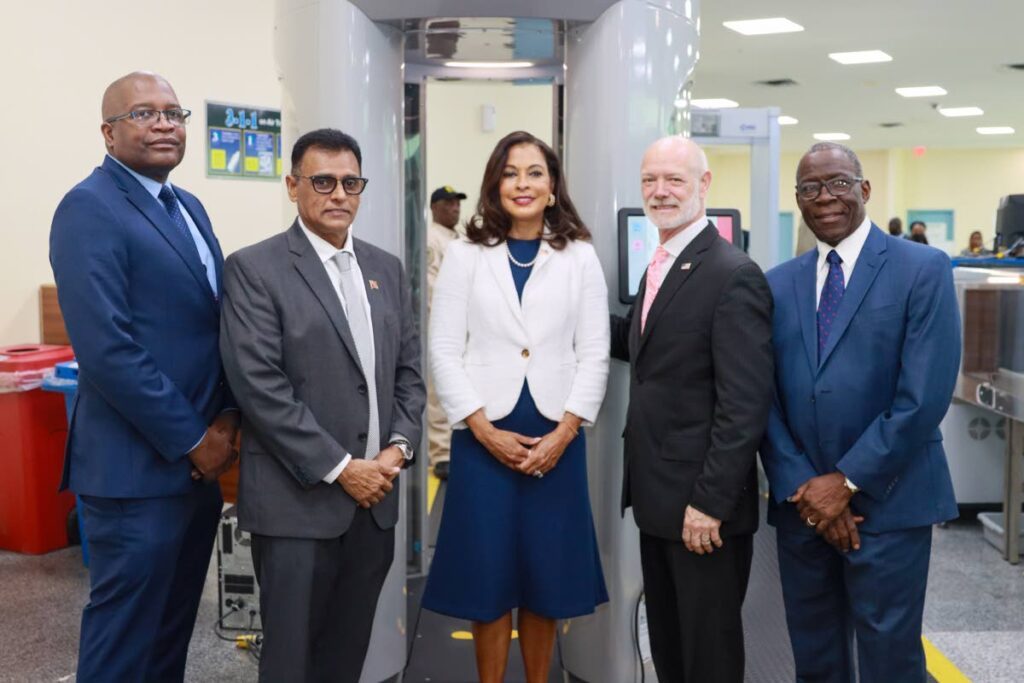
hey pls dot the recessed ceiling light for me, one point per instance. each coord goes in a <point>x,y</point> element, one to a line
<point>995,130</point>
<point>960,111</point>
<point>831,137</point>
<point>788,121</point>
<point>921,91</point>
<point>714,103</point>
<point>489,65</point>
<point>862,57</point>
<point>762,27</point>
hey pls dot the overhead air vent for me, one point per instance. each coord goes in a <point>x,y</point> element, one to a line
<point>777,82</point>
<point>891,124</point>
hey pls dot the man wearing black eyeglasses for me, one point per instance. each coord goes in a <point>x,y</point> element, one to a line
<point>138,273</point>
<point>867,349</point>
<point>320,346</point>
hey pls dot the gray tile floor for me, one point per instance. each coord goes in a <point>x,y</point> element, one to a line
<point>974,615</point>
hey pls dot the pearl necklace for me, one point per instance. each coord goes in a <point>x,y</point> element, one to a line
<point>528,264</point>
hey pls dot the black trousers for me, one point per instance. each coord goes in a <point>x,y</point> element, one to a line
<point>317,601</point>
<point>694,604</point>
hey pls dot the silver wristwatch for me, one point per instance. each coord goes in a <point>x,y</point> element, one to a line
<point>405,447</point>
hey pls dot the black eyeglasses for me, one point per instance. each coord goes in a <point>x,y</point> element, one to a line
<point>325,184</point>
<point>836,187</point>
<point>149,117</point>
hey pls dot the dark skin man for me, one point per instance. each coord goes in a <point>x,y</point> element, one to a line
<point>154,150</point>
<point>824,501</point>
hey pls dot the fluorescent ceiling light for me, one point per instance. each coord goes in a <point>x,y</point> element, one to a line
<point>788,121</point>
<point>960,111</point>
<point>714,103</point>
<point>831,137</point>
<point>995,130</point>
<point>762,27</point>
<point>921,91</point>
<point>862,57</point>
<point>489,65</point>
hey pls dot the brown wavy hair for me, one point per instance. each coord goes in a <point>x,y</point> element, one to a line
<point>491,224</point>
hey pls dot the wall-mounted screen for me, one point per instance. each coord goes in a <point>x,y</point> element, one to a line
<point>638,238</point>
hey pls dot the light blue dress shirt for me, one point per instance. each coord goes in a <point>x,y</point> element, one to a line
<point>205,255</point>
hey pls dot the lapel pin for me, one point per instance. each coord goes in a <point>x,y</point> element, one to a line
<point>374,285</point>
<point>685,266</point>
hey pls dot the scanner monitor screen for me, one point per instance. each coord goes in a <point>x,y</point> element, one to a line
<point>638,238</point>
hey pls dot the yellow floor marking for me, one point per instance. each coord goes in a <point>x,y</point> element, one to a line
<point>466,635</point>
<point>941,669</point>
<point>433,483</point>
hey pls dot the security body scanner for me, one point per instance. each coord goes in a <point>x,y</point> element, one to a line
<point>621,71</point>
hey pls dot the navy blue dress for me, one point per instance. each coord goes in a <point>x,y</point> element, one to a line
<point>511,540</point>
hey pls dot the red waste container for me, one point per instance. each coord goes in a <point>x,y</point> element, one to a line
<point>33,429</point>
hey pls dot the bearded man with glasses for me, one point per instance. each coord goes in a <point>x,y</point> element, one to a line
<point>138,273</point>
<point>867,349</point>
<point>320,346</point>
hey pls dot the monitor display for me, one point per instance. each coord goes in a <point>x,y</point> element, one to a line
<point>638,238</point>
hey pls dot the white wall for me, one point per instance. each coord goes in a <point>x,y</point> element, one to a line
<point>58,56</point>
<point>457,148</point>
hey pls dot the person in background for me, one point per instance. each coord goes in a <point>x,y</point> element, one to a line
<point>917,232</point>
<point>445,206</point>
<point>519,352</point>
<point>976,246</point>
<point>320,346</point>
<point>867,351</point>
<point>138,273</point>
<point>698,341</point>
<point>896,226</point>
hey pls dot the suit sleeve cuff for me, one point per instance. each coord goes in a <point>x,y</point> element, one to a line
<point>333,475</point>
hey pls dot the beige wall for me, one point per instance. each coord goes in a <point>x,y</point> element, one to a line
<point>968,181</point>
<point>458,148</point>
<point>58,58</point>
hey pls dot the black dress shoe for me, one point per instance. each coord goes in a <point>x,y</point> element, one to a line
<point>441,470</point>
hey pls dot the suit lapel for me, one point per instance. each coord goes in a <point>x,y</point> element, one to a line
<point>501,270</point>
<point>685,265</point>
<point>312,270</point>
<point>805,283</point>
<point>202,222</point>
<point>869,262</point>
<point>161,220</point>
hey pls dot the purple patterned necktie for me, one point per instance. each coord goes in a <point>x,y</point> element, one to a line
<point>831,297</point>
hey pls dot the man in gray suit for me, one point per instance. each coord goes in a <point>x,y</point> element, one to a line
<point>321,348</point>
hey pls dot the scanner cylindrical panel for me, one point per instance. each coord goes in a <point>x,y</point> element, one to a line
<point>624,73</point>
<point>339,69</point>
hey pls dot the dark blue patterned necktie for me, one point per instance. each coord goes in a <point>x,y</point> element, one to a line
<point>831,297</point>
<point>170,202</point>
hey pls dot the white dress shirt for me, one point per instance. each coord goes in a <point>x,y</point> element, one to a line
<point>848,250</point>
<point>680,241</point>
<point>327,251</point>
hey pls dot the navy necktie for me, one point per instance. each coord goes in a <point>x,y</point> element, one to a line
<point>170,202</point>
<point>831,297</point>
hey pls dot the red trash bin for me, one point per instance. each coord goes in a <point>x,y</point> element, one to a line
<point>33,429</point>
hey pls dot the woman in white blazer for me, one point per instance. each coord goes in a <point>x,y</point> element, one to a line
<point>519,345</point>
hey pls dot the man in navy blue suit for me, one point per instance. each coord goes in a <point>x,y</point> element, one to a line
<point>138,275</point>
<point>867,349</point>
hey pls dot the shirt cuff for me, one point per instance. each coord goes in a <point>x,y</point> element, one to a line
<point>196,445</point>
<point>396,436</point>
<point>333,475</point>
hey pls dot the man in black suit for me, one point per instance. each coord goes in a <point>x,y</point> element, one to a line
<point>320,344</point>
<point>698,341</point>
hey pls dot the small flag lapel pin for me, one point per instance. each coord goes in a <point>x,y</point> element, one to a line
<point>685,266</point>
<point>374,285</point>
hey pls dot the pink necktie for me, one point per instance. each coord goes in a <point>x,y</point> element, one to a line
<point>654,280</point>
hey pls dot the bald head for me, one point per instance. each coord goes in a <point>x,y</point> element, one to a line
<point>119,94</point>
<point>150,147</point>
<point>674,179</point>
<point>683,151</point>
